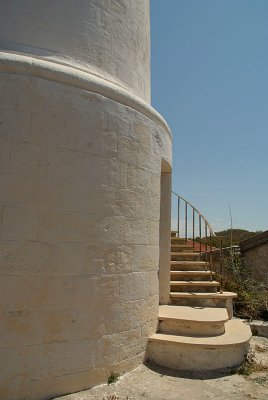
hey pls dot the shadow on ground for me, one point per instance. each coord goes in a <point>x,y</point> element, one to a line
<point>200,375</point>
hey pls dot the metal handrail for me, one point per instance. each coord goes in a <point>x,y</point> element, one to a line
<point>196,210</point>
<point>208,234</point>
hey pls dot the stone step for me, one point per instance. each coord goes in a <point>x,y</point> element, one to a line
<point>192,321</point>
<point>198,314</point>
<point>181,248</point>
<point>201,353</point>
<point>176,240</point>
<point>204,295</point>
<point>194,286</point>
<point>181,256</point>
<point>204,299</point>
<point>189,282</point>
<point>191,275</point>
<point>188,265</point>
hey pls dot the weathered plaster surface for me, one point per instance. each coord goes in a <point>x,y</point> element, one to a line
<point>79,236</point>
<point>70,76</point>
<point>106,37</point>
<point>256,261</point>
<point>81,154</point>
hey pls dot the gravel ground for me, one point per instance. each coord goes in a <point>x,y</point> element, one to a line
<point>149,382</point>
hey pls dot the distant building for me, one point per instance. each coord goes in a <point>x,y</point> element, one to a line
<point>254,251</point>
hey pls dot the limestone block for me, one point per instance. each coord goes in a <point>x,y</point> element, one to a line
<point>145,258</point>
<point>73,382</point>
<point>155,185</point>
<point>107,288</point>
<point>51,192</point>
<point>8,96</point>
<point>58,359</point>
<point>33,327</point>
<point>29,93</point>
<point>112,37</point>
<point>28,158</point>
<point>91,130</point>
<point>129,315</point>
<point>67,225</point>
<point>259,328</point>
<point>126,365</point>
<point>115,173</point>
<point>79,236</point>
<point>14,124</point>
<point>154,232</point>
<point>111,230</point>
<point>138,285</point>
<point>49,291</point>
<point>5,151</point>
<point>110,259</point>
<point>148,329</point>
<point>137,231</point>
<point>18,223</point>
<point>142,129</point>
<point>115,119</point>
<point>127,150</point>
<point>140,180</point>
<point>121,346</point>
<point>76,164</point>
<point>148,159</point>
<point>147,206</point>
<point>256,261</point>
<point>46,225</point>
<point>106,143</point>
<point>126,201</point>
<point>21,257</point>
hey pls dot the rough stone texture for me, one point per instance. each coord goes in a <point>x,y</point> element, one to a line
<point>79,236</point>
<point>256,260</point>
<point>254,252</point>
<point>259,328</point>
<point>109,38</point>
<point>81,158</point>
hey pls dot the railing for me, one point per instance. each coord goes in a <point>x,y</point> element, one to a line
<point>194,228</point>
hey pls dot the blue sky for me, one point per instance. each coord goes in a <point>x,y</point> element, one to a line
<point>209,62</point>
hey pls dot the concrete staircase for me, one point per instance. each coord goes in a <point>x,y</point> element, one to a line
<point>196,331</point>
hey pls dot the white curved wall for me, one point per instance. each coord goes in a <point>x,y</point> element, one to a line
<point>107,37</point>
<point>80,192</point>
<point>80,176</point>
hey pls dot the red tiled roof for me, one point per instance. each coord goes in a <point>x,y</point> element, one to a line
<point>196,246</point>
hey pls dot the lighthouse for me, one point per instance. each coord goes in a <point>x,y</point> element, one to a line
<point>85,173</point>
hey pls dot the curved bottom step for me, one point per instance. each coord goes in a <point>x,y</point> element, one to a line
<point>202,353</point>
<point>192,321</point>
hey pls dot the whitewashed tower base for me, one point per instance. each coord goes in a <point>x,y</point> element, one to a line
<point>82,154</point>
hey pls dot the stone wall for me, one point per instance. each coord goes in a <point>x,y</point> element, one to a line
<point>79,236</point>
<point>254,256</point>
<point>81,166</point>
<point>110,38</point>
<point>256,261</point>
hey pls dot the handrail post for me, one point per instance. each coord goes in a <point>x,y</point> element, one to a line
<point>200,234</point>
<point>210,255</point>
<point>206,235</point>
<point>186,222</point>
<point>178,216</point>
<point>193,229</point>
<point>221,266</point>
<point>208,230</point>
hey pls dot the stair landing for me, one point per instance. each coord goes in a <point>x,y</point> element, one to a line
<point>199,314</point>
